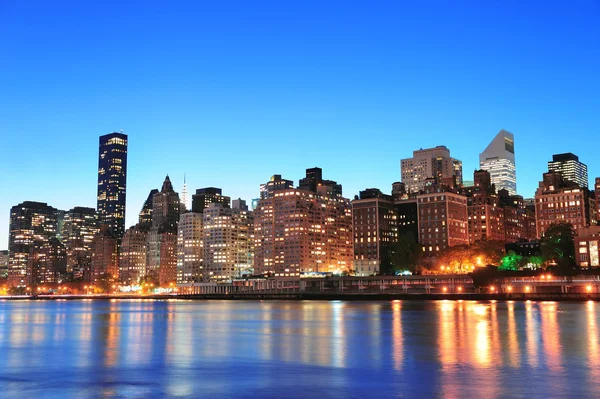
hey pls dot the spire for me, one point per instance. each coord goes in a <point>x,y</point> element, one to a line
<point>184,195</point>
<point>167,186</point>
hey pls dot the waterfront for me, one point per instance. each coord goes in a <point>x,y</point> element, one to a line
<point>331,349</point>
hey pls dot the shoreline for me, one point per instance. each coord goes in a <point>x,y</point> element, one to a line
<point>557,297</point>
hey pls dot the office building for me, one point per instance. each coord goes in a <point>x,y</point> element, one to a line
<point>499,160</point>
<point>570,169</point>
<point>112,182</point>
<point>431,163</point>
<point>29,222</point>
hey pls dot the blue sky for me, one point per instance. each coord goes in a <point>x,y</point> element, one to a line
<point>232,92</point>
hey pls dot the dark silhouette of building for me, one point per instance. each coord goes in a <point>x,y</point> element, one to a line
<point>145,217</point>
<point>112,182</point>
<point>206,196</point>
<point>276,183</point>
<point>314,180</point>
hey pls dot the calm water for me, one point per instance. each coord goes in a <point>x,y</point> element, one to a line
<point>328,349</point>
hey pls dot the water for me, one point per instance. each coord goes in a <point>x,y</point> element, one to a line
<point>304,349</point>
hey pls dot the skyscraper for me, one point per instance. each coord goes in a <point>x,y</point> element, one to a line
<point>112,182</point>
<point>145,217</point>
<point>161,263</point>
<point>570,168</point>
<point>499,160</point>
<point>184,197</point>
<point>426,164</point>
<point>132,256</point>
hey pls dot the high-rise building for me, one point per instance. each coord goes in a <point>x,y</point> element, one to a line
<point>597,197</point>
<point>206,196</point>
<point>274,184</point>
<point>29,222</point>
<point>227,243</point>
<point>431,163</point>
<point>486,217</point>
<point>105,262</point>
<point>161,262</point>
<point>519,220</point>
<point>443,220</point>
<point>375,229</point>
<point>570,168</point>
<point>190,249</point>
<point>47,262</point>
<point>499,160</point>
<point>185,205</point>
<point>4,263</point>
<point>79,228</point>
<point>314,180</point>
<point>559,200</point>
<point>112,182</point>
<point>132,255</point>
<point>303,231</point>
<point>145,217</point>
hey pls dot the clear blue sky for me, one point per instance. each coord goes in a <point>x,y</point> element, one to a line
<point>232,92</point>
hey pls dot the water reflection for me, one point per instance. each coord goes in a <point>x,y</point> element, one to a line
<point>297,349</point>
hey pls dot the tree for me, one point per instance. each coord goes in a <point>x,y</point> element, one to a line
<point>511,262</point>
<point>558,245</point>
<point>405,254</point>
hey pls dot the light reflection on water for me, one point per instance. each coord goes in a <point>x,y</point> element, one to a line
<point>298,349</point>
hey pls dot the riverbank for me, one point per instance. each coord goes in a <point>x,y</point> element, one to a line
<point>573,297</point>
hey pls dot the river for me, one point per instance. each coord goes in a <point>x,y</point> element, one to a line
<point>298,349</point>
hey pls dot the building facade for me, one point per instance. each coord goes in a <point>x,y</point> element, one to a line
<point>443,220</point>
<point>303,231</point>
<point>499,160</point>
<point>486,217</point>
<point>561,201</point>
<point>47,262</point>
<point>570,169</point>
<point>105,261</point>
<point>79,228</point>
<point>29,222</point>
<point>375,229</point>
<point>132,255</point>
<point>431,163</point>
<point>587,244</point>
<point>206,196</point>
<point>112,182</point>
<point>161,261</point>
<point>190,248</point>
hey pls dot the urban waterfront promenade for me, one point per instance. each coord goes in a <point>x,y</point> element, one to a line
<point>429,287</point>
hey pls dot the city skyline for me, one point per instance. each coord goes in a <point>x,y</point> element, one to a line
<point>265,95</point>
<point>132,211</point>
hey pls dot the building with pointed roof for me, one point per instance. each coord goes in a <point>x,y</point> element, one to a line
<point>498,159</point>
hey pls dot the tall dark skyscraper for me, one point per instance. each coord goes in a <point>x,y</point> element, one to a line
<point>112,181</point>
